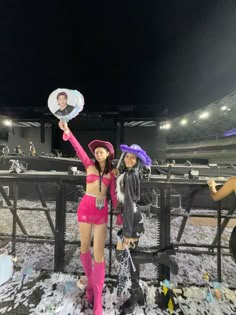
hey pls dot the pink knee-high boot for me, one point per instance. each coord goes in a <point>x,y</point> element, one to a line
<point>86,260</point>
<point>98,277</point>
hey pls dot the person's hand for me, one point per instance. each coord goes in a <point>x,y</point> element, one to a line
<point>116,172</point>
<point>63,126</point>
<point>129,242</point>
<point>211,183</point>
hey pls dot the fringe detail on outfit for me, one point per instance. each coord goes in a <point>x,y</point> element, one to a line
<point>120,188</point>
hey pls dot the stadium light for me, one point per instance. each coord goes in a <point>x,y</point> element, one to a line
<point>183,122</point>
<point>7,122</point>
<point>165,126</point>
<point>204,115</point>
<point>224,107</point>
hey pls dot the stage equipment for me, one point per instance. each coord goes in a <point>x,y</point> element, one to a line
<point>17,166</point>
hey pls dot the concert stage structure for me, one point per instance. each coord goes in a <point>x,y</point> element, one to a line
<point>167,196</point>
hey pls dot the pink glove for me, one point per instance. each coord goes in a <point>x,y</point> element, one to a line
<point>119,219</point>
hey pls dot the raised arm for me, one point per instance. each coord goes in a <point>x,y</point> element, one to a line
<point>68,136</point>
<point>224,191</point>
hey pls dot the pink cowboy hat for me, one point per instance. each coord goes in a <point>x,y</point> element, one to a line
<point>99,143</point>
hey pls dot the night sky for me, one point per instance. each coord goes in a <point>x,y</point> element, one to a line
<point>159,56</point>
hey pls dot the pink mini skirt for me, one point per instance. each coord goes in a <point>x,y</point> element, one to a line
<point>88,213</point>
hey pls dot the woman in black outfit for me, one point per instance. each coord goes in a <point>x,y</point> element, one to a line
<point>128,195</point>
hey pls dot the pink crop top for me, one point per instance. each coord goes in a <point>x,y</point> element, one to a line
<point>93,177</point>
<point>88,162</point>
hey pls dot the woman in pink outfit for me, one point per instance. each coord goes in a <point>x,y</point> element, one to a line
<point>93,211</point>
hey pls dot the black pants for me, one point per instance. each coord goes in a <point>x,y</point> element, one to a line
<point>135,274</point>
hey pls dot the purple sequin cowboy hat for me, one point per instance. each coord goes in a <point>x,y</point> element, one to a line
<point>138,151</point>
<point>105,144</point>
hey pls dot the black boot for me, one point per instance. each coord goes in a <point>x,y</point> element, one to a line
<point>136,298</point>
<point>136,293</point>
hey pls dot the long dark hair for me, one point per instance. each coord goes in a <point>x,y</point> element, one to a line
<point>136,168</point>
<point>139,169</point>
<point>108,166</point>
